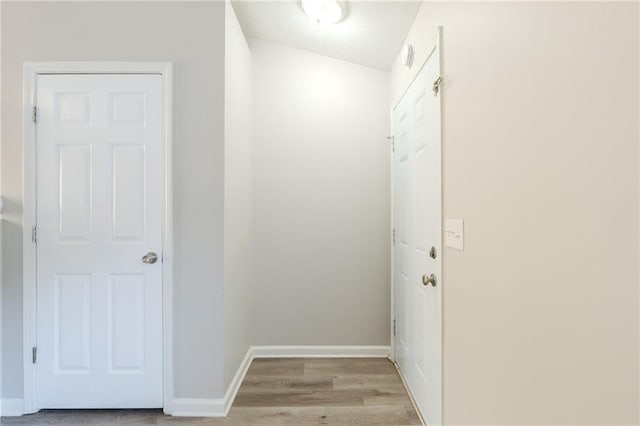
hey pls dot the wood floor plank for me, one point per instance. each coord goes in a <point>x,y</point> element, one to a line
<point>339,367</point>
<point>380,415</point>
<point>278,384</point>
<point>277,367</point>
<point>385,398</point>
<point>412,415</point>
<point>325,391</point>
<point>368,381</point>
<point>331,398</point>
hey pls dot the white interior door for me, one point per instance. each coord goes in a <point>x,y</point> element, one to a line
<point>418,242</point>
<point>99,211</point>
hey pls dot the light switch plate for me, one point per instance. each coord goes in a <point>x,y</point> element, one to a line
<point>454,233</point>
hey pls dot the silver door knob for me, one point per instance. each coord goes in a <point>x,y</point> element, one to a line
<point>150,258</point>
<point>429,279</point>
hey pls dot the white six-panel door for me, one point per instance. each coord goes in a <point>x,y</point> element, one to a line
<point>99,211</point>
<point>418,246</point>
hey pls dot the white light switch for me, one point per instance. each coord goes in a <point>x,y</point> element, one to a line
<point>454,233</point>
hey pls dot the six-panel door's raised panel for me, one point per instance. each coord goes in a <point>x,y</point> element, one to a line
<point>126,323</point>
<point>72,323</point>
<point>404,218</point>
<point>401,141</point>
<point>74,192</point>
<point>423,204</point>
<point>420,348</point>
<point>128,192</point>
<point>72,109</point>
<point>419,111</point>
<point>127,109</point>
<point>403,326</point>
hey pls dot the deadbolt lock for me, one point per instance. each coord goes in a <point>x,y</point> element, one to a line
<point>432,253</point>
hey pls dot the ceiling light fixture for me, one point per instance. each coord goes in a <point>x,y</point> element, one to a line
<point>322,11</point>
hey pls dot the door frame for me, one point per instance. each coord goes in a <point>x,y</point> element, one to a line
<point>437,45</point>
<point>31,71</point>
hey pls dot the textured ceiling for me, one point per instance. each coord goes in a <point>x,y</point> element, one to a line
<point>371,33</point>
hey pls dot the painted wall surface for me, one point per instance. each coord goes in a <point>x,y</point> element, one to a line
<point>540,152</point>
<point>238,197</point>
<point>321,200</point>
<point>191,35</point>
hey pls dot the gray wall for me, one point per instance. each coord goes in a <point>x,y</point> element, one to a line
<point>321,200</point>
<point>540,147</point>
<point>237,197</point>
<point>191,34</point>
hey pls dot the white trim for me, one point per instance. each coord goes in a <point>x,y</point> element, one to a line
<point>237,380</point>
<point>213,407</point>
<point>392,246</point>
<point>406,387</point>
<point>638,315</point>
<point>71,67</point>
<point>1,226</point>
<point>440,265</point>
<point>12,407</point>
<point>30,75</point>
<point>167,241</point>
<point>1,220</point>
<point>321,351</point>
<point>198,407</point>
<point>219,407</point>
<point>28,248</point>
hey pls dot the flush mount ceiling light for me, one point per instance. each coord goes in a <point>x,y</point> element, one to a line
<point>322,11</point>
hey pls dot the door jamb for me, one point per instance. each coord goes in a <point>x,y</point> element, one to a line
<point>31,70</point>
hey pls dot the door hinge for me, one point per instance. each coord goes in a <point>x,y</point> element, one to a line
<point>34,354</point>
<point>34,114</point>
<point>34,235</point>
<point>394,236</point>
<point>436,86</point>
<point>394,328</point>
<point>393,144</point>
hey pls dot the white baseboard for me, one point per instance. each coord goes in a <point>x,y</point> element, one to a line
<point>12,407</point>
<point>197,407</point>
<point>321,351</point>
<point>406,387</point>
<point>237,380</point>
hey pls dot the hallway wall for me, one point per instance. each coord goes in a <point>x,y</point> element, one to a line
<point>540,152</point>
<point>238,196</point>
<point>191,34</point>
<point>321,200</point>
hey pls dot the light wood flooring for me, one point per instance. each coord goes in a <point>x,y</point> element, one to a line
<point>311,391</point>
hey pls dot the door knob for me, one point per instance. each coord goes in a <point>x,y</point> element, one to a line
<point>150,258</point>
<point>429,279</point>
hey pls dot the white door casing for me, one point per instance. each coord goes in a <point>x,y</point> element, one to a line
<point>418,226</point>
<point>102,203</point>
